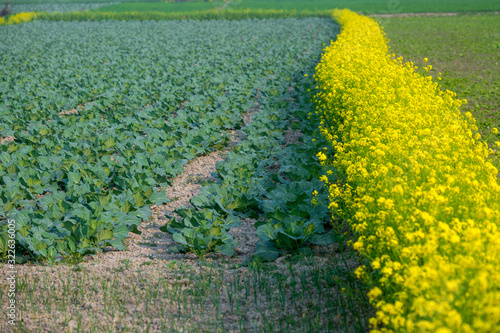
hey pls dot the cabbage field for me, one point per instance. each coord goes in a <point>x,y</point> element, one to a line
<point>102,115</point>
<point>100,120</point>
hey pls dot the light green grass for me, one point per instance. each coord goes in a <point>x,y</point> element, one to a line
<point>363,6</point>
<point>166,7</point>
<point>465,49</point>
<point>372,6</point>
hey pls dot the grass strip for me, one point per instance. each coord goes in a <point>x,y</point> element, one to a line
<point>168,7</point>
<point>415,185</point>
<point>371,6</point>
<point>210,14</point>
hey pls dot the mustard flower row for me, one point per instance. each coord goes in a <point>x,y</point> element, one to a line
<point>210,14</point>
<point>18,18</point>
<point>417,187</point>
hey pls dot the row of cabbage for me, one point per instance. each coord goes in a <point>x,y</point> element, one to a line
<point>104,114</point>
<point>416,186</point>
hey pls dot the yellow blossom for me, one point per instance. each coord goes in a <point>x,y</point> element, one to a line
<point>417,187</point>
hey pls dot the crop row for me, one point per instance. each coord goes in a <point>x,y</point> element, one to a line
<point>209,14</point>
<point>102,115</point>
<point>416,186</point>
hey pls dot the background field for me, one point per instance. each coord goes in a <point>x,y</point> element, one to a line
<point>371,6</point>
<point>169,7</point>
<point>362,6</point>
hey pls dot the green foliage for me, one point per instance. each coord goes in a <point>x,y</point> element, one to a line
<point>104,115</point>
<point>166,7</point>
<point>202,231</point>
<point>272,180</point>
<point>313,7</point>
<point>371,6</point>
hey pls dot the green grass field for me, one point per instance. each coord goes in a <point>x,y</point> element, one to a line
<point>465,49</point>
<point>169,7</point>
<point>364,6</point>
<point>372,6</point>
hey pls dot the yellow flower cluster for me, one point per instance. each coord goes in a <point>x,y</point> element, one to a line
<point>419,190</point>
<point>18,18</point>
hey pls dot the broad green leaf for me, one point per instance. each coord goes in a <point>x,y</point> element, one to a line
<point>10,205</point>
<point>267,232</point>
<point>266,250</point>
<point>104,199</point>
<point>34,181</point>
<point>117,244</point>
<point>200,201</point>
<point>325,239</point>
<point>190,234</point>
<point>225,249</point>
<point>4,242</point>
<point>111,142</point>
<point>5,158</point>
<point>179,238</point>
<point>24,230</point>
<point>104,234</point>
<point>120,232</point>
<point>231,221</point>
<point>74,177</point>
<point>288,241</point>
